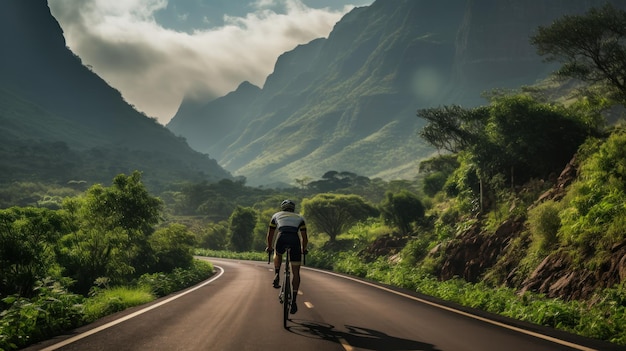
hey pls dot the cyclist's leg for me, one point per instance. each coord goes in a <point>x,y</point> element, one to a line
<point>278,259</point>
<point>296,260</point>
<point>295,282</point>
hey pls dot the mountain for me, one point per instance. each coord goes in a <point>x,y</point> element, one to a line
<point>348,102</point>
<point>59,121</point>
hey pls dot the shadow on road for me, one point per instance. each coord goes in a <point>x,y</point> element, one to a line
<point>357,337</point>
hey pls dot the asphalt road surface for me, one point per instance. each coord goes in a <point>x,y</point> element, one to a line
<point>238,309</point>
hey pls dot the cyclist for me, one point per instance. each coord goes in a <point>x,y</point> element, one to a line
<point>288,223</point>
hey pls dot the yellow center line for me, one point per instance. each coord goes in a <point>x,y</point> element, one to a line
<point>345,344</point>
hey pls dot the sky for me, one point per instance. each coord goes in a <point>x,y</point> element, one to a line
<point>159,52</point>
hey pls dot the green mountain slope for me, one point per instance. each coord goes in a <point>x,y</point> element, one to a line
<point>47,97</point>
<point>348,102</point>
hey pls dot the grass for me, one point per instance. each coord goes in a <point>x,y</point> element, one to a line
<point>55,310</point>
<point>249,255</point>
<point>604,320</point>
<point>114,300</point>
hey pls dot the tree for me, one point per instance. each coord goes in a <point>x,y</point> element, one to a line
<point>27,238</point>
<point>333,214</point>
<point>214,236</point>
<point>110,231</point>
<point>173,247</point>
<point>437,170</point>
<point>514,136</point>
<point>242,222</point>
<point>453,128</point>
<point>402,210</point>
<point>333,181</point>
<point>592,47</point>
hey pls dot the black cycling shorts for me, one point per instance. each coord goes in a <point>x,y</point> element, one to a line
<point>293,241</point>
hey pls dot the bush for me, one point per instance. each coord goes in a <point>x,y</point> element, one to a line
<point>162,284</point>
<point>544,222</point>
<point>51,311</point>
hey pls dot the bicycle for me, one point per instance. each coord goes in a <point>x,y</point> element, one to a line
<point>285,296</point>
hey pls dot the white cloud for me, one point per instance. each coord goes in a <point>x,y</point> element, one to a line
<point>155,68</point>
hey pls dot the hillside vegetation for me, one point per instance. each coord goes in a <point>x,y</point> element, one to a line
<point>347,102</point>
<point>522,213</point>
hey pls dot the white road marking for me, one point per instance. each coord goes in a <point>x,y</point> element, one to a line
<point>308,304</point>
<point>466,314</point>
<point>132,315</point>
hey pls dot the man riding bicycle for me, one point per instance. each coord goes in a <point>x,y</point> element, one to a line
<point>288,224</point>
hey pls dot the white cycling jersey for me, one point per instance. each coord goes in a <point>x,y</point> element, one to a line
<point>287,222</point>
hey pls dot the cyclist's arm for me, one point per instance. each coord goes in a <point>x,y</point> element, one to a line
<point>270,236</point>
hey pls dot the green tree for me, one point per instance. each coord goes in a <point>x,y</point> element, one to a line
<point>109,233</point>
<point>241,224</point>
<point>453,128</point>
<point>260,230</point>
<point>515,136</point>
<point>528,139</point>
<point>214,236</point>
<point>437,170</point>
<point>27,239</point>
<point>402,210</point>
<point>592,47</point>
<point>173,247</point>
<point>333,214</point>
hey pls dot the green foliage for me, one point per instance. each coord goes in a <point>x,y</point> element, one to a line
<point>434,183</point>
<point>214,236</point>
<point>333,214</point>
<point>594,217</point>
<point>173,247</point>
<point>514,136</point>
<point>591,47</point>
<point>125,204</point>
<point>109,301</point>
<point>27,239</point>
<point>50,311</point>
<point>31,194</point>
<point>161,284</point>
<point>248,255</point>
<point>105,237</point>
<point>350,263</point>
<point>241,227</point>
<point>544,223</point>
<point>259,241</point>
<point>453,128</point>
<point>109,234</point>
<point>214,200</point>
<point>464,185</point>
<point>534,139</point>
<point>402,209</point>
<point>603,320</point>
<point>332,181</point>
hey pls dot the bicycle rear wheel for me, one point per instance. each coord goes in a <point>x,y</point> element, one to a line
<point>286,301</point>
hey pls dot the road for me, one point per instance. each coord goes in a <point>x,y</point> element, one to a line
<point>238,310</point>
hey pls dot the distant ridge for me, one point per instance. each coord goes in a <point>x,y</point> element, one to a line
<point>348,102</point>
<point>47,95</point>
